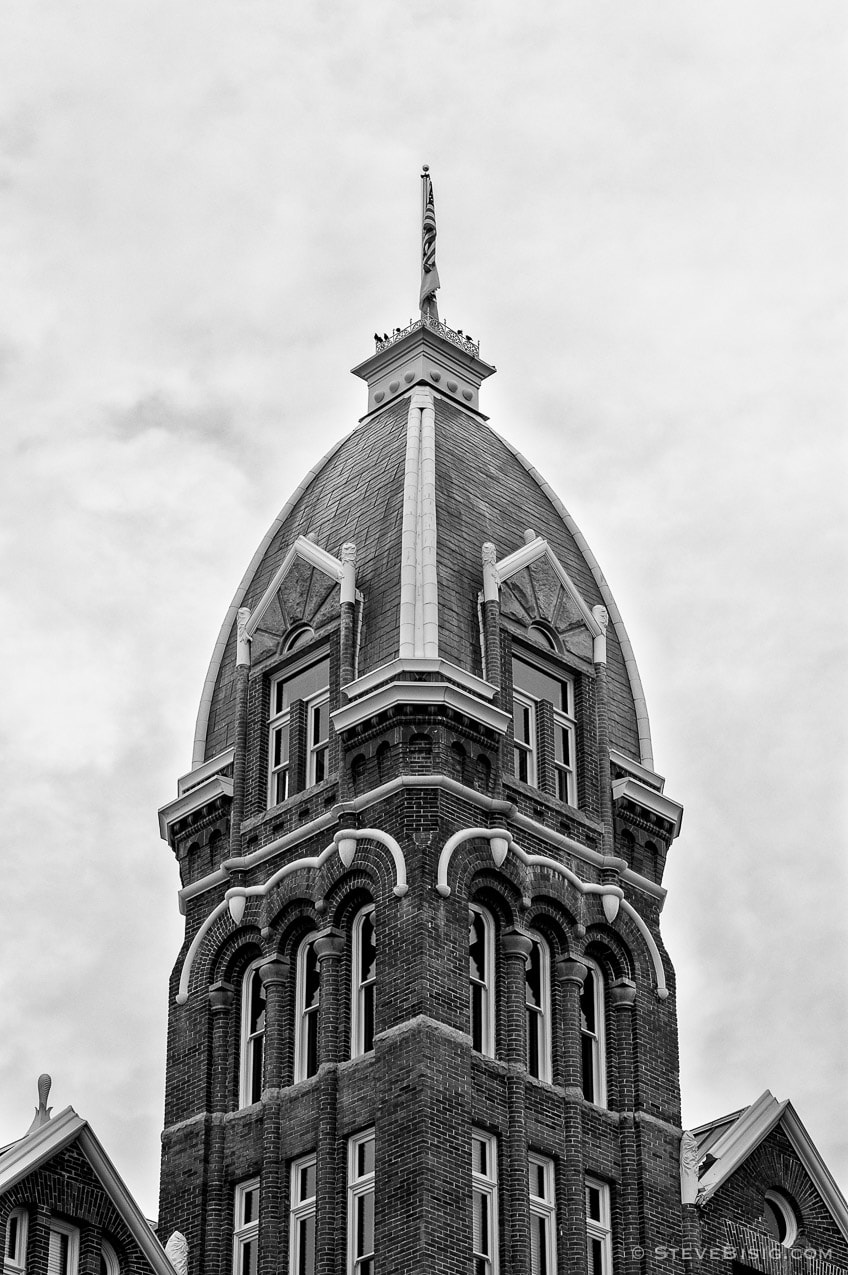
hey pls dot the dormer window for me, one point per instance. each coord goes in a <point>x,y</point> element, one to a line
<point>537,693</point>
<point>300,702</point>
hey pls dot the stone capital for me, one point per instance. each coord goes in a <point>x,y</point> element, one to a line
<point>623,993</point>
<point>329,944</point>
<point>569,970</point>
<point>517,943</point>
<point>275,970</point>
<point>221,996</point>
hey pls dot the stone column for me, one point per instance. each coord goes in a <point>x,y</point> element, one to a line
<point>622,999</point>
<point>224,1045</point>
<point>571,1204</point>
<point>274,975</point>
<point>329,947</point>
<point>516,948</point>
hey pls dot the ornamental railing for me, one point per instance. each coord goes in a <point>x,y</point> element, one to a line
<point>457,338</point>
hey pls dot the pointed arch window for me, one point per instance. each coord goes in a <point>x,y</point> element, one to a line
<point>308,991</point>
<point>537,999</point>
<point>252,1035</point>
<point>592,1036</point>
<point>481,979</point>
<point>109,1264</point>
<point>364,982</point>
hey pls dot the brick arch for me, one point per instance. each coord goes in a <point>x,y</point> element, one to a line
<point>607,949</point>
<point>556,923</point>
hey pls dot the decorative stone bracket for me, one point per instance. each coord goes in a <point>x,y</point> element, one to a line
<point>235,900</point>
<point>612,896</point>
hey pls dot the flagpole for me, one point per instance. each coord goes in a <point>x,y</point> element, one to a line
<point>424,171</point>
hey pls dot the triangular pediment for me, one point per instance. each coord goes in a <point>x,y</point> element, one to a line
<point>728,1144</point>
<point>304,590</point>
<point>535,589</point>
<point>42,1145</point>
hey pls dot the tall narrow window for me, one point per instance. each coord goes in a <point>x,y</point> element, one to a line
<point>540,1172</point>
<point>364,970</point>
<point>14,1252</point>
<point>532,685</point>
<point>306,1023</point>
<point>481,980</point>
<point>63,1249</point>
<point>109,1264</point>
<point>246,1228</point>
<point>537,997</point>
<point>311,685</point>
<point>592,1037</point>
<point>484,1191</point>
<point>302,1216</point>
<point>360,1205</point>
<point>598,1229</point>
<point>252,1035</point>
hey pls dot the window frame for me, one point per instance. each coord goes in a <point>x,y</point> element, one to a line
<point>780,1204</point>
<point>484,1187</point>
<point>360,1186</point>
<point>71,1233</point>
<point>564,720</point>
<point>538,1018</point>
<point>245,1233</point>
<point>543,1208</point>
<point>306,1016</point>
<point>362,991</point>
<point>487,984</point>
<point>599,1229</point>
<point>250,1041</point>
<point>15,1262</point>
<point>109,1261</point>
<point>279,720</point>
<point>597,1039</point>
<point>302,1209</point>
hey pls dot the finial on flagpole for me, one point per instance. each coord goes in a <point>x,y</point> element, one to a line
<point>429,273</point>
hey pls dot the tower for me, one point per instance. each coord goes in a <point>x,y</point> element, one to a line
<point>423,1020</point>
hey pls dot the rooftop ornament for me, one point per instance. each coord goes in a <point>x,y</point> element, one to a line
<point>457,338</point>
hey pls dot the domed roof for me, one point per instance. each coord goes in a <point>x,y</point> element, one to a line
<point>484,492</point>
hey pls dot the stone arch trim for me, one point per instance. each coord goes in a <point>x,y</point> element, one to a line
<point>344,843</point>
<point>611,895</point>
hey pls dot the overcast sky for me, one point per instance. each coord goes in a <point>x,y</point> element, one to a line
<point>207,209</point>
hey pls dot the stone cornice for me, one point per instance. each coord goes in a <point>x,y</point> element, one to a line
<point>648,799</point>
<point>396,695</point>
<point>392,672</point>
<point>196,799</point>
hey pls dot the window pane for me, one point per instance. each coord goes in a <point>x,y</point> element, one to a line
<point>311,978</point>
<point>12,1236</point>
<point>365,1158</point>
<point>534,682</point>
<point>538,1245</point>
<point>480,1223</point>
<point>249,1253</point>
<point>365,1224</point>
<point>280,745</point>
<point>306,1245</point>
<point>281,786</point>
<point>562,745</point>
<point>522,722</point>
<point>306,1180</point>
<point>367,949</point>
<point>593,1203</point>
<point>534,976</point>
<point>587,1004</point>
<point>477,948</point>
<point>307,683</point>
<point>320,722</point>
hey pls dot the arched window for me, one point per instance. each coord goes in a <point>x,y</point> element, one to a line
<point>537,998</point>
<point>306,1022</point>
<point>592,1040</point>
<point>109,1264</point>
<point>14,1251</point>
<point>481,979</point>
<point>780,1218</point>
<point>252,1035</point>
<point>364,988</point>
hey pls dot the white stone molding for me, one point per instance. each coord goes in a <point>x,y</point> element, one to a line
<point>344,844</point>
<point>348,561</point>
<point>419,596</point>
<point>316,557</point>
<point>202,722</point>
<point>524,557</point>
<point>392,671</point>
<point>599,649</point>
<point>491,581</point>
<point>403,783</point>
<point>689,1157</point>
<point>646,754</point>
<point>395,694</point>
<point>649,800</point>
<point>612,896</point>
<point>243,641</point>
<point>176,1251</point>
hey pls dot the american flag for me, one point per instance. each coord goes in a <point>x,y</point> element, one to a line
<point>429,273</point>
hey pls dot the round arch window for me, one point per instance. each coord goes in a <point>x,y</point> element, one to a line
<point>780,1219</point>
